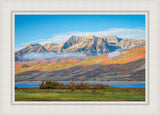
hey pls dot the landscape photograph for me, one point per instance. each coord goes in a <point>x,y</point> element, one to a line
<point>79,57</point>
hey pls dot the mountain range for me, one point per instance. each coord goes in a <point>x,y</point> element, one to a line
<point>106,58</point>
<point>89,45</point>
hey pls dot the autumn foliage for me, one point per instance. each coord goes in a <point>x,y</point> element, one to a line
<point>56,64</point>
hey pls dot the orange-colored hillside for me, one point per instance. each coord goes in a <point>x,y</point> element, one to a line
<point>60,64</point>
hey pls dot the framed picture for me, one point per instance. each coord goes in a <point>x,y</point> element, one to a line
<point>80,60</point>
<point>80,67</point>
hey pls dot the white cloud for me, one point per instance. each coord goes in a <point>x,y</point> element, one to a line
<point>119,32</point>
<point>33,55</point>
<point>138,34</point>
<point>20,46</point>
<point>114,54</point>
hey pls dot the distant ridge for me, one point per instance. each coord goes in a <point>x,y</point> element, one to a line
<point>87,44</point>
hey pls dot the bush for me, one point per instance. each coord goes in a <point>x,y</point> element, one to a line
<point>71,85</point>
<point>50,85</point>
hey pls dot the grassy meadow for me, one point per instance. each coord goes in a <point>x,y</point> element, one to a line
<point>113,94</point>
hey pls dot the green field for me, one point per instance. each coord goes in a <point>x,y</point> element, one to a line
<point>114,94</point>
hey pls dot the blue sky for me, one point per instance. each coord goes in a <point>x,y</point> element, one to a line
<point>57,28</point>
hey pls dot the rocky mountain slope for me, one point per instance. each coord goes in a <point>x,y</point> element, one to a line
<point>28,49</point>
<point>88,44</point>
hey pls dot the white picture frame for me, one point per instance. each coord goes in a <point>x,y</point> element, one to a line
<point>150,107</point>
<point>13,13</point>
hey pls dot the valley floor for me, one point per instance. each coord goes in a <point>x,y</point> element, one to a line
<point>115,94</point>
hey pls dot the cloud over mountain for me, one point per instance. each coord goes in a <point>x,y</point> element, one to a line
<point>78,46</point>
<point>114,54</point>
<point>138,34</point>
<point>34,55</point>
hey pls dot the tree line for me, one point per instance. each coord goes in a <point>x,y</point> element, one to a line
<point>71,85</point>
